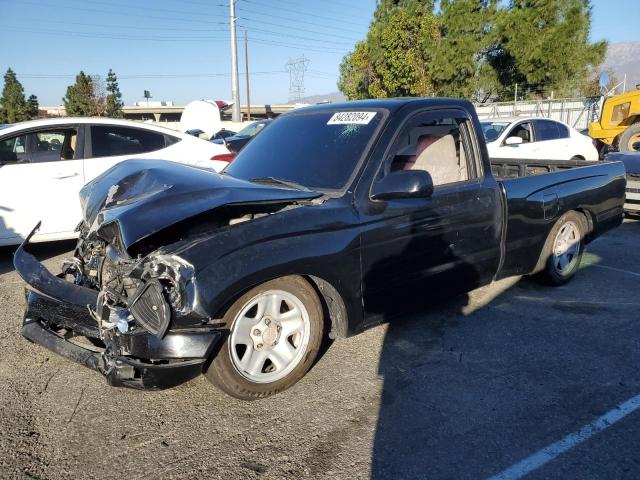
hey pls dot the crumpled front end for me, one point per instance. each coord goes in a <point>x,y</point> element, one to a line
<point>128,319</point>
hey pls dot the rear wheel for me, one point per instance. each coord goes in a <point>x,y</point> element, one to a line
<point>563,249</point>
<point>275,334</point>
<point>630,139</point>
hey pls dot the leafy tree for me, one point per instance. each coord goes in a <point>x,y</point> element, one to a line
<point>476,49</point>
<point>14,106</point>
<point>80,98</point>
<point>394,58</point>
<point>32,106</point>
<point>113,100</point>
<point>356,73</point>
<point>386,7</point>
<point>460,65</point>
<point>544,46</point>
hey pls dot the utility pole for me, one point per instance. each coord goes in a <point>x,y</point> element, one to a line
<point>515,100</point>
<point>235,88</point>
<point>246,73</point>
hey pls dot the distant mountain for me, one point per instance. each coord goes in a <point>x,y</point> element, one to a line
<point>624,58</point>
<point>327,97</point>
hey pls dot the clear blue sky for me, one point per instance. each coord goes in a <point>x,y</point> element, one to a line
<point>179,49</point>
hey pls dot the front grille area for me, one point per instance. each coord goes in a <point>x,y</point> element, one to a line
<point>150,310</point>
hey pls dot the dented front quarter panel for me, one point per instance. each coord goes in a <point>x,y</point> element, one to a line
<point>317,240</point>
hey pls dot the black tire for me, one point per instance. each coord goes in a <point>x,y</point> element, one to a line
<point>549,271</point>
<point>222,371</point>
<point>629,140</point>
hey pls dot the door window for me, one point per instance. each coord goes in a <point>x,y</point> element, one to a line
<point>522,130</point>
<point>440,145</point>
<point>14,150</point>
<point>53,145</point>
<point>550,130</point>
<point>108,141</point>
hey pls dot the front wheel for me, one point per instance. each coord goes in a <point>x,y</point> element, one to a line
<point>563,249</point>
<point>630,139</point>
<point>275,334</point>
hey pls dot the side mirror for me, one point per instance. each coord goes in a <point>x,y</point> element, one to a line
<point>403,184</point>
<point>513,141</point>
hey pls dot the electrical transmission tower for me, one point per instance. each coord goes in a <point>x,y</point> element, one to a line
<point>296,67</point>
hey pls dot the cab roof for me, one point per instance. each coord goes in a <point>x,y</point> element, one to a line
<point>390,104</point>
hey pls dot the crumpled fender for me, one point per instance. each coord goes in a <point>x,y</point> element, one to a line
<point>137,198</point>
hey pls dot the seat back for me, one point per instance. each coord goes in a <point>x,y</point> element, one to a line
<point>437,155</point>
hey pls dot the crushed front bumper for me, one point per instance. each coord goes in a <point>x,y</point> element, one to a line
<point>57,317</point>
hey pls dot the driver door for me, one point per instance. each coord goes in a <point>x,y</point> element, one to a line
<point>417,249</point>
<point>41,173</point>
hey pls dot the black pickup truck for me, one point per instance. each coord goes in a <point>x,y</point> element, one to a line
<point>334,219</point>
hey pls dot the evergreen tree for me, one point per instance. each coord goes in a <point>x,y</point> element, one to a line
<point>114,97</point>
<point>14,106</point>
<point>80,99</point>
<point>32,106</point>
<point>394,58</point>
<point>475,49</point>
<point>545,46</point>
<point>356,73</point>
<point>460,65</point>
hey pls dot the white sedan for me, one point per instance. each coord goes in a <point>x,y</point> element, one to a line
<point>536,138</point>
<point>45,163</point>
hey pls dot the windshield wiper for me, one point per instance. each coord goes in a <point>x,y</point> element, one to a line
<point>280,181</point>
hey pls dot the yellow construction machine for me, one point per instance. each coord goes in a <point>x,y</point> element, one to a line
<point>619,125</point>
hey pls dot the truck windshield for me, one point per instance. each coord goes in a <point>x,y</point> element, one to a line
<point>492,130</point>
<point>318,150</point>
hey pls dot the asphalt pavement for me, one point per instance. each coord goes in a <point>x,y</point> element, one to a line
<point>509,380</point>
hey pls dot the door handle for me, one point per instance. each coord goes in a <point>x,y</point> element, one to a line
<point>61,176</point>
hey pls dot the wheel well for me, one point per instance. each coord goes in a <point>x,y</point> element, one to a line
<point>577,157</point>
<point>542,259</point>
<point>332,304</point>
<point>588,217</point>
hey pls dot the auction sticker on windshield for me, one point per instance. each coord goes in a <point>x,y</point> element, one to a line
<point>350,118</point>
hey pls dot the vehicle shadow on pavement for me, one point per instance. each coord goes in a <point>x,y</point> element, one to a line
<point>476,383</point>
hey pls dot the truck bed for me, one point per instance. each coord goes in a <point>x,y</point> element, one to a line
<point>538,192</point>
<point>505,168</point>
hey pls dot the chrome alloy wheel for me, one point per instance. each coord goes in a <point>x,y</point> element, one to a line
<point>269,336</point>
<point>566,248</point>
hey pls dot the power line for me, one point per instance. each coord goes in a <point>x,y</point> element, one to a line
<point>158,76</point>
<point>136,27</point>
<point>341,5</point>
<point>306,30</point>
<point>146,9</point>
<point>110,36</point>
<point>108,12</point>
<point>288,35</point>
<point>164,38</point>
<point>296,20</point>
<point>298,12</point>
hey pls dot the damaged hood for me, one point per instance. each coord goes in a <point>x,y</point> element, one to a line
<point>137,198</point>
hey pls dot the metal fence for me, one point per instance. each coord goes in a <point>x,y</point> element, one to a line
<point>577,112</point>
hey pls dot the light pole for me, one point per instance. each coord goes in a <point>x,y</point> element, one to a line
<point>235,87</point>
<point>246,73</point>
